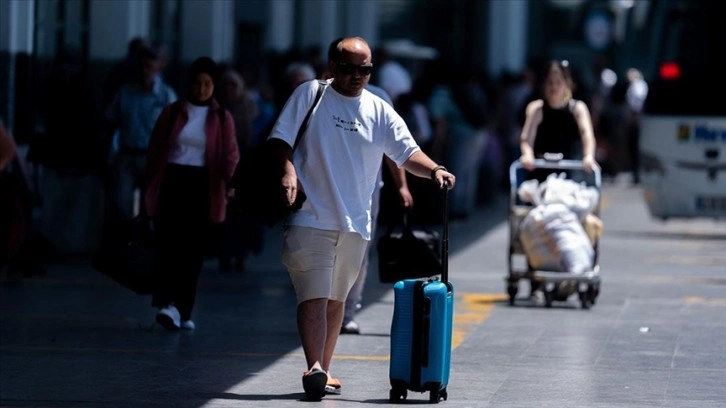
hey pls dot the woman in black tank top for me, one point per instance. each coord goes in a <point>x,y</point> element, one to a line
<point>555,123</point>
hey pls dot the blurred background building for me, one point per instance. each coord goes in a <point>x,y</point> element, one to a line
<point>496,36</point>
<point>61,53</point>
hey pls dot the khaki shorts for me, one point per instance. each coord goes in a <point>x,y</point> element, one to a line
<point>322,264</point>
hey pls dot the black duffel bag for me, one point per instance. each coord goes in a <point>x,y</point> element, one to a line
<point>406,252</point>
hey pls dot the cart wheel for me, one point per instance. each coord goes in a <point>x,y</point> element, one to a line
<point>443,394</point>
<point>585,300</point>
<point>397,395</point>
<point>595,292</point>
<point>512,289</point>
<point>592,294</point>
<point>549,296</point>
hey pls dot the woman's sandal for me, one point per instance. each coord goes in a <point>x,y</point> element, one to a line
<point>333,386</point>
<point>314,385</point>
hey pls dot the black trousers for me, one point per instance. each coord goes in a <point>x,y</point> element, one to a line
<point>182,225</point>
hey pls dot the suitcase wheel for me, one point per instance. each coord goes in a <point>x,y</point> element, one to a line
<point>397,395</point>
<point>438,395</point>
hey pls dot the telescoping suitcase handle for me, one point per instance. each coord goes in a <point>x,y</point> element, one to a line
<point>445,236</point>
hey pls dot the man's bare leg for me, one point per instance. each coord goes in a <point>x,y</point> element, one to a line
<point>312,327</point>
<point>335,312</point>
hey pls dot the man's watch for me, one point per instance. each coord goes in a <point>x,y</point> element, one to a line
<point>435,169</point>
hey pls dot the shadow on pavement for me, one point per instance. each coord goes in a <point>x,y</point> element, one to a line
<point>75,338</point>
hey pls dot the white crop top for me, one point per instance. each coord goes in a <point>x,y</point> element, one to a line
<point>192,142</point>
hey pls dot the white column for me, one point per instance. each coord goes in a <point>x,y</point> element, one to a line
<point>361,18</point>
<point>208,29</point>
<point>280,25</point>
<point>507,36</point>
<point>16,26</point>
<point>318,23</point>
<point>115,22</point>
<point>16,37</point>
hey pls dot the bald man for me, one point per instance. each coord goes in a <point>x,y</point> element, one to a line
<point>336,165</point>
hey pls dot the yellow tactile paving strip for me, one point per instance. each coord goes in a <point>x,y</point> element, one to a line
<point>471,309</point>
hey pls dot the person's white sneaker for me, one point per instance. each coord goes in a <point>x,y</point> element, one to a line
<point>187,325</point>
<point>350,328</point>
<point>168,317</point>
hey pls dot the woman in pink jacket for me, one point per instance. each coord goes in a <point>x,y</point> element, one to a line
<point>192,156</point>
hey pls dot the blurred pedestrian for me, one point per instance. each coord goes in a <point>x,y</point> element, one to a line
<point>264,97</point>
<point>557,123</point>
<point>124,71</point>
<point>635,96</point>
<point>192,157</point>
<point>393,77</point>
<point>8,148</point>
<point>240,233</point>
<point>16,248</point>
<point>134,111</point>
<point>457,107</point>
<point>298,73</point>
<point>9,206</point>
<point>336,165</point>
<point>353,303</point>
<point>72,155</point>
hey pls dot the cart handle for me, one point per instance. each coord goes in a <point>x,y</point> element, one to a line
<point>550,163</point>
<point>558,164</point>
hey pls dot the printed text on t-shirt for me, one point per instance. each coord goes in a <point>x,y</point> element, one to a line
<point>347,125</point>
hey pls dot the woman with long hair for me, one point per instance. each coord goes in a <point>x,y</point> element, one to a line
<point>557,123</point>
<point>192,156</point>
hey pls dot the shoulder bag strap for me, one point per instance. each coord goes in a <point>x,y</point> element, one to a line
<point>321,88</point>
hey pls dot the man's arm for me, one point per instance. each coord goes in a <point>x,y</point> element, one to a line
<point>283,155</point>
<point>529,133</point>
<point>587,136</point>
<point>421,165</point>
<point>399,178</point>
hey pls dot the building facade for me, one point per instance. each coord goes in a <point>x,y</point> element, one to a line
<point>239,32</point>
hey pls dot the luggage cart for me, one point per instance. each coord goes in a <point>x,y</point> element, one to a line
<point>588,282</point>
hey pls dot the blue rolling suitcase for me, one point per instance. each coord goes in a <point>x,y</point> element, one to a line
<point>421,330</point>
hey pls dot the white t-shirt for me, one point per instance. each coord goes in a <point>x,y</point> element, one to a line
<point>192,143</point>
<point>341,153</point>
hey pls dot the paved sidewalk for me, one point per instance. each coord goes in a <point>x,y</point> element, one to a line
<point>655,338</point>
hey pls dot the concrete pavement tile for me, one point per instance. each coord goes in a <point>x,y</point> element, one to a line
<point>569,386</point>
<point>698,357</point>
<point>577,352</point>
<point>635,360</point>
<point>702,332</point>
<point>694,386</point>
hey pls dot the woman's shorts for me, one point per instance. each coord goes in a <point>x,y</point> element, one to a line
<point>322,264</point>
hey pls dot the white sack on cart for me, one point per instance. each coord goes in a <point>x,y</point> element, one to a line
<point>538,242</point>
<point>529,192</point>
<point>553,239</point>
<point>577,197</point>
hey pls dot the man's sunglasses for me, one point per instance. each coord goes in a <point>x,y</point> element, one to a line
<point>350,69</point>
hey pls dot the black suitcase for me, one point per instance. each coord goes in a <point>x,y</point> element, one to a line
<point>406,252</point>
